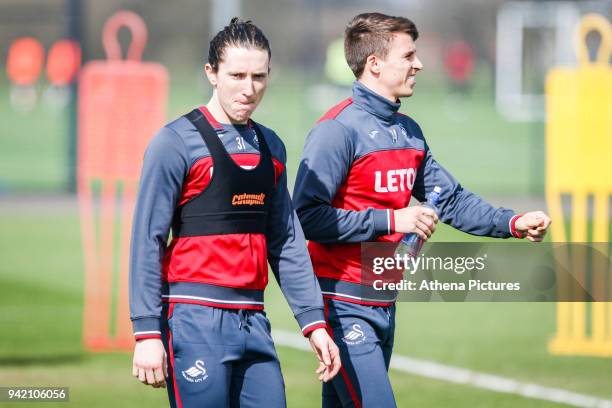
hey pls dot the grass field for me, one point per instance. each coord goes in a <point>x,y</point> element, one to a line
<point>41,300</point>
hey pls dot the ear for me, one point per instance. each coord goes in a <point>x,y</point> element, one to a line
<point>373,64</point>
<point>211,74</point>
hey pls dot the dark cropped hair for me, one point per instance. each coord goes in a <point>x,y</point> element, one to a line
<point>238,33</point>
<point>369,34</point>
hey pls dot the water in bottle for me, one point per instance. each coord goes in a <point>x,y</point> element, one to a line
<point>411,243</point>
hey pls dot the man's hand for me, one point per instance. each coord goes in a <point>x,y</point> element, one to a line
<point>533,225</point>
<point>419,219</point>
<point>149,364</point>
<point>327,353</point>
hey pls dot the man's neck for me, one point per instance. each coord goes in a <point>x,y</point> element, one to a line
<point>217,111</point>
<point>374,85</point>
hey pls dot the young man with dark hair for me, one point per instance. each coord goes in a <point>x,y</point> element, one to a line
<point>218,180</point>
<point>361,165</point>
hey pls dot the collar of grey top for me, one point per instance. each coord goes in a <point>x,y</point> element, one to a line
<point>235,126</point>
<point>228,127</point>
<point>373,102</point>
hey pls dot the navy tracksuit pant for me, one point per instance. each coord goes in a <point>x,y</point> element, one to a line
<point>364,335</point>
<point>220,358</point>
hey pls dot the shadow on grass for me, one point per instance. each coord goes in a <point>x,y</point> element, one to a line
<point>42,360</point>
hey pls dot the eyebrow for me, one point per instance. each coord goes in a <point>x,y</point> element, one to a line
<point>238,72</point>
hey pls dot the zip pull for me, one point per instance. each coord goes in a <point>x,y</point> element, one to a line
<point>244,318</point>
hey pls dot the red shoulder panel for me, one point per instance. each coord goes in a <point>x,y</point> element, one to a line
<point>335,111</point>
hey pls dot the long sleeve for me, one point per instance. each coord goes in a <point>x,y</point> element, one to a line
<point>164,169</point>
<point>290,262</point>
<point>459,207</point>
<point>328,155</point>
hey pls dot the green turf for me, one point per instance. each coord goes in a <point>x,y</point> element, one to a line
<point>32,148</point>
<point>41,302</point>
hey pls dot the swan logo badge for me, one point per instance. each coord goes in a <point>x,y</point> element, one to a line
<point>355,336</point>
<point>197,373</point>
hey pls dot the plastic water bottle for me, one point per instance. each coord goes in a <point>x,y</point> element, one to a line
<point>411,243</point>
